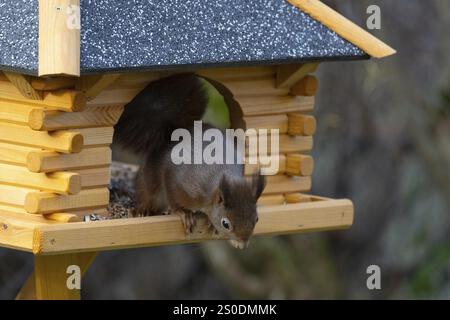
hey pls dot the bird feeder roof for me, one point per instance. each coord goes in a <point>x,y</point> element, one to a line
<point>118,35</point>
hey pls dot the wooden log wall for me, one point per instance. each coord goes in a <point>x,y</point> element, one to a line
<point>55,136</point>
<point>277,98</point>
<point>54,147</point>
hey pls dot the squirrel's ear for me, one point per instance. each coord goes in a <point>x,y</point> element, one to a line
<point>218,197</point>
<point>258,185</point>
<point>224,190</point>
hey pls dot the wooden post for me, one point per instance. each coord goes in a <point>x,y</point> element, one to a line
<point>51,275</point>
<point>59,41</point>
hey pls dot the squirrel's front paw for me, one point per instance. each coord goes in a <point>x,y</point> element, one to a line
<point>189,220</point>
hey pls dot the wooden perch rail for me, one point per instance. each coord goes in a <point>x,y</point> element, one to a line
<point>165,230</point>
<point>311,214</point>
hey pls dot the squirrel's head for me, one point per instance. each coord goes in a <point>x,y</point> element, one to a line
<point>234,212</point>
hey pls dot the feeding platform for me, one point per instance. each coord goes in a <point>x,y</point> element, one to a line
<point>62,90</point>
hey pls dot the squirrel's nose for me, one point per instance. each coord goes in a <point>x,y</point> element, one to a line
<point>238,244</point>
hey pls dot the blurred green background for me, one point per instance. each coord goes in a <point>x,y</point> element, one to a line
<point>383,140</point>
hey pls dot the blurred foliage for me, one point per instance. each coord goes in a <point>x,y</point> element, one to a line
<point>429,276</point>
<point>217,113</point>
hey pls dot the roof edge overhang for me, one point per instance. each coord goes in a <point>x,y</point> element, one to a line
<point>344,27</point>
<point>59,46</point>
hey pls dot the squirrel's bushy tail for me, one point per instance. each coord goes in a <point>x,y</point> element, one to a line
<point>147,122</point>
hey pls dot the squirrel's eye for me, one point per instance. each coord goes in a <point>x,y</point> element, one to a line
<point>257,219</point>
<point>226,223</point>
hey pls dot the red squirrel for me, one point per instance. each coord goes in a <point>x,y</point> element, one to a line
<point>221,191</point>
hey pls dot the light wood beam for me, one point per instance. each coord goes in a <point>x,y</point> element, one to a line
<point>59,40</point>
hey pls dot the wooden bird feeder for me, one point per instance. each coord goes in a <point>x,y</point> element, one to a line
<point>62,90</point>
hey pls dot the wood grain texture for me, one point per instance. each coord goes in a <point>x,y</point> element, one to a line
<point>291,164</point>
<point>45,202</point>
<point>137,80</point>
<point>41,119</point>
<point>58,182</point>
<point>115,96</point>
<point>287,144</point>
<point>21,214</point>
<point>28,291</point>
<point>271,200</point>
<point>288,75</point>
<point>64,99</point>
<point>256,106</point>
<point>50,275</point>
<point>62,217</point>
<point>255,87</point>
<point>15,154</point>
<point>47,161</point>
<point>94,177</point>
<point>59,45</point>
<point>93,85</point>
<point>305,87</point>
<point>299,165</point>
<point>297,198</point>
<point>23,84</point>
<point>95,137</point>
<point>48,120</point>
<point>279,122</point>
<point>16,229</point>
<point>344,27</point>
<point>128,85</point>
<point>53,83</point>
<point>286,184</point>
<point>62,141</point>
<point>168,230</point>
<point>17,113</point>
<point>13,195</point>
<point>254,164</point>
<point>301,124</point>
